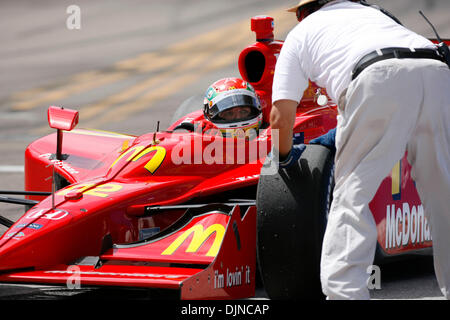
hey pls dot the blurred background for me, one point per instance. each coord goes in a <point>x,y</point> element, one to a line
<point>132,62</point>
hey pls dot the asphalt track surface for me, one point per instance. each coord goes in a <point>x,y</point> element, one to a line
<point>132,64</point>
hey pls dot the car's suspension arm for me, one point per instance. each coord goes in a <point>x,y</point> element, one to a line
<point>26,202</point>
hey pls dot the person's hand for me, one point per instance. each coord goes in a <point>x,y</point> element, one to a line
<point>326,140</point>
<point>293,156</point>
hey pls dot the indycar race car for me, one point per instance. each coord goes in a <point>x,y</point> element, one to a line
<point>200,215</point>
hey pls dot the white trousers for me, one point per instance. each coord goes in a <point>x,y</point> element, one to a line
<point>392,106</point>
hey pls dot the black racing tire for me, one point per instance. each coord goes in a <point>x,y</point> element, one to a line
<point>189,105</point>
<point>293,207</point>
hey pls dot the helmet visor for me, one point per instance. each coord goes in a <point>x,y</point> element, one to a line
<point>220,109</point>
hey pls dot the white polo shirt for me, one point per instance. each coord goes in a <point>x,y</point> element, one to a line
<point>327,44</point>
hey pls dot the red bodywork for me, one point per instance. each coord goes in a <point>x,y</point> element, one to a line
<point>124,201</point>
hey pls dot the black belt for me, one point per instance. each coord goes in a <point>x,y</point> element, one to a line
<point>390,53</point>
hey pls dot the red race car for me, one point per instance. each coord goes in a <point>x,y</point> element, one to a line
<point>190,212</point>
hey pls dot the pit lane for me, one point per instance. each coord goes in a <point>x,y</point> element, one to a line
<point>130,66</point>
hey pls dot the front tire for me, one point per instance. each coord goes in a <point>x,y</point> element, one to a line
<point>293,206</point>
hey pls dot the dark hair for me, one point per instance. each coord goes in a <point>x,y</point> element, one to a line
<point>310,8</point>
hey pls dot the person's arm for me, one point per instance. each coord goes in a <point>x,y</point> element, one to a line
<point>282,118</point>
<point>289,83</point>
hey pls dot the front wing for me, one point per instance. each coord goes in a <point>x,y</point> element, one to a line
<point>213,256</point>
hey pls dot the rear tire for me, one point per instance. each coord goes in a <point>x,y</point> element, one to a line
<point>293,206</point>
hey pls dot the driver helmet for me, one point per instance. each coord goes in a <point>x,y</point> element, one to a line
<point>233,106</point>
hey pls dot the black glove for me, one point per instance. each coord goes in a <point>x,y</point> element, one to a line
<point>326,140</point>
<point>293,156</point>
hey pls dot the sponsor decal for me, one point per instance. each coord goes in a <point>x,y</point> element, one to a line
<point>405,225</point>
<point>232,278</point>
<point>400,217</point>
<point>200,235</point>
<point>34,226</point>
<point>396,181</point>
<point>102,190</point>
<point>56,214</point>
<point>63,165</point>
<point>137,152</point>
<point>15,235</point>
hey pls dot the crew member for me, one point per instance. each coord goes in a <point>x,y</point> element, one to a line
<point>393,93</point>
